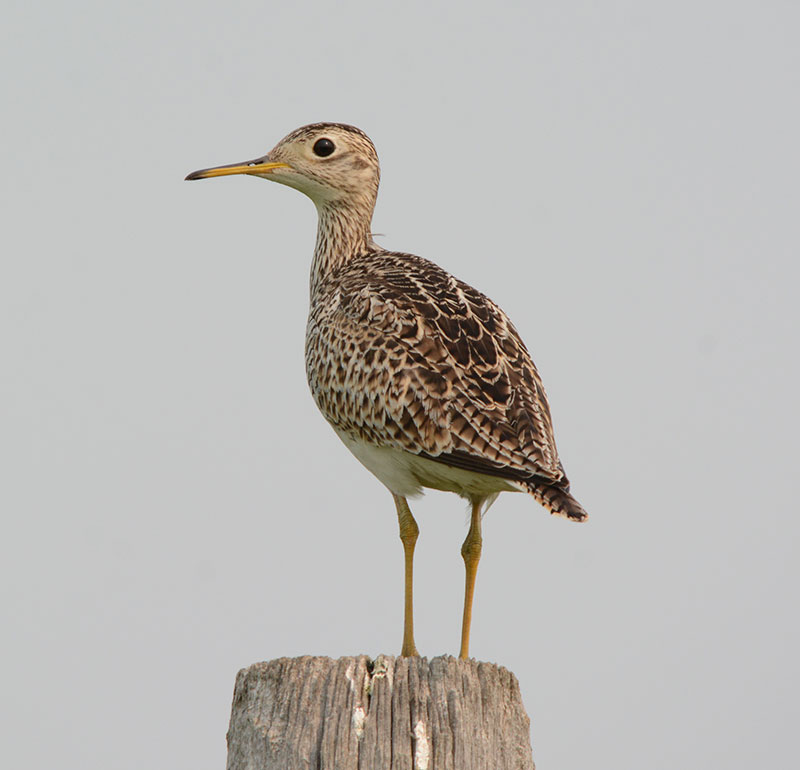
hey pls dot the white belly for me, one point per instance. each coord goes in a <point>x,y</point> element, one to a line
<point>406,474</point>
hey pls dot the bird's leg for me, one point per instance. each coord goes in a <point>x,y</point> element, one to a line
<point>409,531</point>
<point>471,551</point>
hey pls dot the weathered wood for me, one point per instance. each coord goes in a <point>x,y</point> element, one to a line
<point>387,714</point>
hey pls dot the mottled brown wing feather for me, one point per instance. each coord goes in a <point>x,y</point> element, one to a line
<point>400,353</point>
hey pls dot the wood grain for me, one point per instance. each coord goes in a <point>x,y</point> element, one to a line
<point>388,714</point>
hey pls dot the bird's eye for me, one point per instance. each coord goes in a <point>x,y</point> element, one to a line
<point>323,147</point>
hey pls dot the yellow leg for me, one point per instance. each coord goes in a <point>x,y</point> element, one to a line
<point>471,551</point>
<point>409,531</point>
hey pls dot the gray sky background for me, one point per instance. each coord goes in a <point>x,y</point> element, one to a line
<point>621,177</point>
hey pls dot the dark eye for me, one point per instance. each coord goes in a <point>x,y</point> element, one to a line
<point>324,147</point>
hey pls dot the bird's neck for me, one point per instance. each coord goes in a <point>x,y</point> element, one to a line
<point>343,233</point>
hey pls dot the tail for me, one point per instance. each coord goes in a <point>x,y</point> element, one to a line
<point>557,499</point>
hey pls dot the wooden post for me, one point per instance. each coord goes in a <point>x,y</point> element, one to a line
<point>388,714</point>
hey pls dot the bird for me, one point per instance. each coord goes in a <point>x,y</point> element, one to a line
<point>423,378</point>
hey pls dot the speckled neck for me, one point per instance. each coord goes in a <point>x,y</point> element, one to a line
<point>343,233</point>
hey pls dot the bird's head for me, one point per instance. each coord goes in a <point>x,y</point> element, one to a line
<point>332,163</point>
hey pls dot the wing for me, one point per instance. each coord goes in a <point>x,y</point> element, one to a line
<point>400,353</point>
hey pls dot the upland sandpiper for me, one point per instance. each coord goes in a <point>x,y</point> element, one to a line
<point>423,378</point>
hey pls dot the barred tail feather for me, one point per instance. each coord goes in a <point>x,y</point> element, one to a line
<point>557,501</point>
